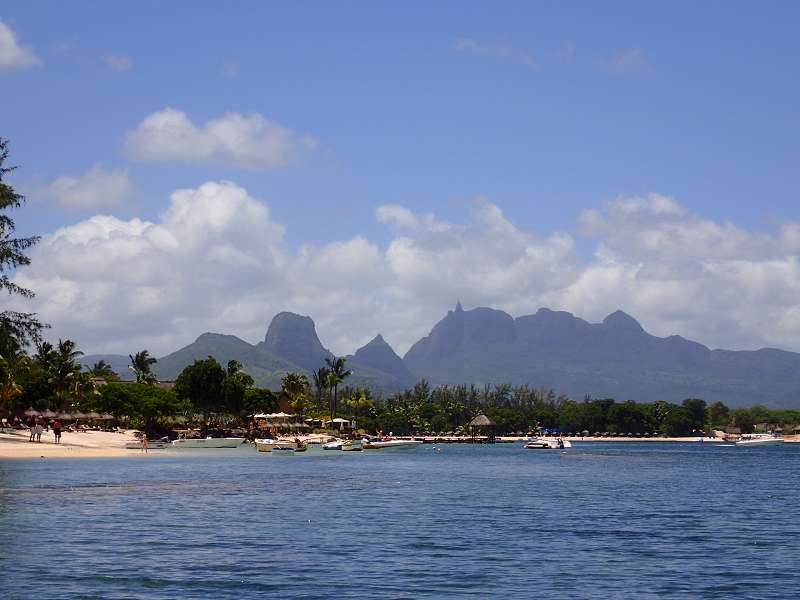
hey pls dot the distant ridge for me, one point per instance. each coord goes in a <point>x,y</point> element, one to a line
<point>615,358</point>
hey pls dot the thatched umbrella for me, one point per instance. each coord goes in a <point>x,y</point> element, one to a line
<point>107,417</point>
<point>78,415</point>
<point>93,415</point>
<point>64,415</point>
<point>32,412</point>
<point>49,414</point>
<point>483,424</point>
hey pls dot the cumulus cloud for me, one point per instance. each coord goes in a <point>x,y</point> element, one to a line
<point>118,62</point>
<point>12,54</point>
<point>97,188</point>
<point>216,260</point>
<point>497,52</point>
<point>629,60</point>
<point>244,140</point>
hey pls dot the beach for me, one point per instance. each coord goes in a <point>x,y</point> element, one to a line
<point>89,444</point>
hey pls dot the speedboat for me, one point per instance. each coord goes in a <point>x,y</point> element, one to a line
<point>334,445</point>
<point>268,445</point>
<point>540,444</point>
<point>351,446</point>
<point>207,442</point>
<point>378,444</point>
<point>759,439</point>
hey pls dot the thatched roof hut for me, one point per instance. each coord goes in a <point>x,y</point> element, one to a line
<point>483,426</point>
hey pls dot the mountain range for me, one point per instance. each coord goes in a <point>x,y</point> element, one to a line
<point>554,349</point>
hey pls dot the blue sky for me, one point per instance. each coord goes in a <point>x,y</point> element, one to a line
<point>546,109</point>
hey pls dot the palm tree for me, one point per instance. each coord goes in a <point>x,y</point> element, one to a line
<point>9,388</point>
<point>64,370</point>
<point>141,364</point>
<point>337,373</point>
<point>296,387</point>
<point>321,388</point>
<point>102,370</point>
<point>45,353</point>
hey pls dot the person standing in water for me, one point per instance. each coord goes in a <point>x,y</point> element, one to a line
<point>144,443</point>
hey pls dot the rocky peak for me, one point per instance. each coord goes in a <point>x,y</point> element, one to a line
<point>294,338</point>
<point>621,321</point>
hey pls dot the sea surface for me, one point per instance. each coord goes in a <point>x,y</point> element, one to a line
<point>602,520</point>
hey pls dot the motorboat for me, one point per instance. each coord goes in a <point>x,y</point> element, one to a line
<point>759,439</point>
<point>290,448</point>
<point>207,442</point>
<point>351,446</point>
<point>268,445</point>
<point>542,444</point>
<point>386,443</point>
<point>343,445</point>
<point>334,445</point>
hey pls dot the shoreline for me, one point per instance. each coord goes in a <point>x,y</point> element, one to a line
<point>89,444</point>
<point>102,444</point>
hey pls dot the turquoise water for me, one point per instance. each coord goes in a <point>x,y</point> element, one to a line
<point>649,520</point>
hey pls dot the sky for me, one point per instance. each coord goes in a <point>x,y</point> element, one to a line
<point>197,167</point>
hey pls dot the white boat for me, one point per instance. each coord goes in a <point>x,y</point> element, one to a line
<point>759,439</point>
<point>207,442</point>
<point>540,444</point>
<point>351,446</point>
<point>268,445</point>
<point>343,445</point>
<point>375,445</point>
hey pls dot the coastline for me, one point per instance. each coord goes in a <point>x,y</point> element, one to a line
<point>89,444</point>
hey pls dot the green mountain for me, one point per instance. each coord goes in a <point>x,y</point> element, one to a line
<point>291,344</point>
<point>616,358</point>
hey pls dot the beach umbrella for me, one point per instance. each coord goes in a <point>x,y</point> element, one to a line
<point>49,414</point>
<point>78,415</point>
<point>64,415</point>
<point>32,412</point>
<point>107,417</point>
<point>93,415</point>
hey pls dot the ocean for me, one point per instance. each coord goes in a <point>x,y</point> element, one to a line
<point>602,520</point>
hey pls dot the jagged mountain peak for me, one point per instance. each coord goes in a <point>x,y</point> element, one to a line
<point>294,337</point>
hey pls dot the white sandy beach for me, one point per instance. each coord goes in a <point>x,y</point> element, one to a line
<point>84,444</point>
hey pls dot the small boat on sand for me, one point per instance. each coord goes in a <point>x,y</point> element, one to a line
<point>540,444</point>
<point>380,444</point>
<point>206,442</point>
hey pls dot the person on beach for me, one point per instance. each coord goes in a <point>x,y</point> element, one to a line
<point>144,443</point>
<point>39,429</point>
<point>57,431</point>
<point>32,425</point>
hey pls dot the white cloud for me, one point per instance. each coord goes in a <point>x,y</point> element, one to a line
<point>497,52</point>
<point>118,62</point>
<point>629,60</point>
<point>97,188</point>
<point>12,54</point>
<point>242,140</point>
<point>216,260</point>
